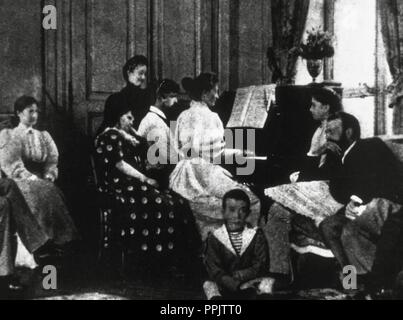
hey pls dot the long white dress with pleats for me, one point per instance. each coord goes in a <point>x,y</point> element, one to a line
<point>199,139</point>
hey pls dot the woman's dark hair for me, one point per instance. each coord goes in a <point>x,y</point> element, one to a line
<point>329,97</point>
<point>115,107</point>
<point>348,122</point>
<point>132,64</point>
<point>166,87</point>
<point>237,194</point>
<point>20,105</point>
<point>197,86</point>
<point>23,102</point>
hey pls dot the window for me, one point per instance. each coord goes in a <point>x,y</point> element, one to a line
<point>359,62</point>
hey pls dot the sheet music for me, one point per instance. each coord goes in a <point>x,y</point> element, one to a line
<point>240,108</point>
<point>251,106</point>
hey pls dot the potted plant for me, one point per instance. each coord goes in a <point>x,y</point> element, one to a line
<point>318,45</point>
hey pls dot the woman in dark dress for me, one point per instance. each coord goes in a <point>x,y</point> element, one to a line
<point>155,224</point>
<point>137,94</point>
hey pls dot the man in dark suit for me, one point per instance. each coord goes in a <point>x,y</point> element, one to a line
<point>387,269</point>
<point>366,182</point>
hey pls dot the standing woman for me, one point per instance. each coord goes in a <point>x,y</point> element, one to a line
<point>30,157</point>
<point>199,139</point>
<point>136,93</point>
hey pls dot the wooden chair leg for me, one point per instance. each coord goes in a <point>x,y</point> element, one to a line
<point>294,267</point>
<point>104,240</point>
<point>123,262</point>
<point>292,270</point>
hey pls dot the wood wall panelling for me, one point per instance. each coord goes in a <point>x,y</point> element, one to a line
<point>106,34</point>
<point>177,48</point>
<point>83,59</point>
<point>243,34</point>
<point>107,46</point>
<point>223,42</point>
<point>20,54</point>
<point>254,35</point>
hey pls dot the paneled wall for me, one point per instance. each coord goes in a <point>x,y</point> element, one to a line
<point>20,51</point>
<point>81,61</point>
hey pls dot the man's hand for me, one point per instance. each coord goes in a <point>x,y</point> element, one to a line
<point>33,178</point>
<point>355,208</point>
<point>351,211</point>
<point>294,176</point>
<point>50,178</point>
<point>331,146</point>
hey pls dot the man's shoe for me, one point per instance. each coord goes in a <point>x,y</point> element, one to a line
<point>381,294</point>
<point>10,284</point>
<point>15,285</point>
<point>48,254</point>
<point>265,296</point>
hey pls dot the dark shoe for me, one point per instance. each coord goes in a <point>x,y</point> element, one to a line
<point>48,254</point>
<point>381,294</point>
<point>247,294</point>
<point>10,284</point>
<point>265,296</point>
<point>15,285</point>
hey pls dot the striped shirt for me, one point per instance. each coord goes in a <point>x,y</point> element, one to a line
<point>236,241</point>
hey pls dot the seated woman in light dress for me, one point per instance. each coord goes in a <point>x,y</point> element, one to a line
<point>30,157</point>
<point>199,139</point>
<point>156,224</point>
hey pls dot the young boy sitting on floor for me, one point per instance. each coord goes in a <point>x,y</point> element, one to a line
<point>236,256</point>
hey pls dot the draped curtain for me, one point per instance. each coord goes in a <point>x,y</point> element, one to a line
<point>288,25</point>
<point>391,13</point>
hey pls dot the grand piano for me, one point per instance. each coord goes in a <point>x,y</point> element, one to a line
<point>286,135</point>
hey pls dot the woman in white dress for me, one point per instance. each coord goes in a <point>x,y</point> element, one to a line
<point>199,139</point>
<point>30,158</point>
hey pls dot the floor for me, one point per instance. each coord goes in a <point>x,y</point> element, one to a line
<point>82,277</point>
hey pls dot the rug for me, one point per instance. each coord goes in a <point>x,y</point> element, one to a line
<point>85,296</point>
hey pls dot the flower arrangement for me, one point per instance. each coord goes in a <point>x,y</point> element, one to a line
<point>318,45</point>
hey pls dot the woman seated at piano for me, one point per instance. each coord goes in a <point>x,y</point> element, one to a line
<point>30,157</point>
<point>155,224</point>
<point>199,140</point>
<point>325,102</point>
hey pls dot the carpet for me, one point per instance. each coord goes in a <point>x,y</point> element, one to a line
<point>85,296</point>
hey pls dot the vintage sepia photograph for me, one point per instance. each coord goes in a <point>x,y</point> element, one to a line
<point>201,150</point>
